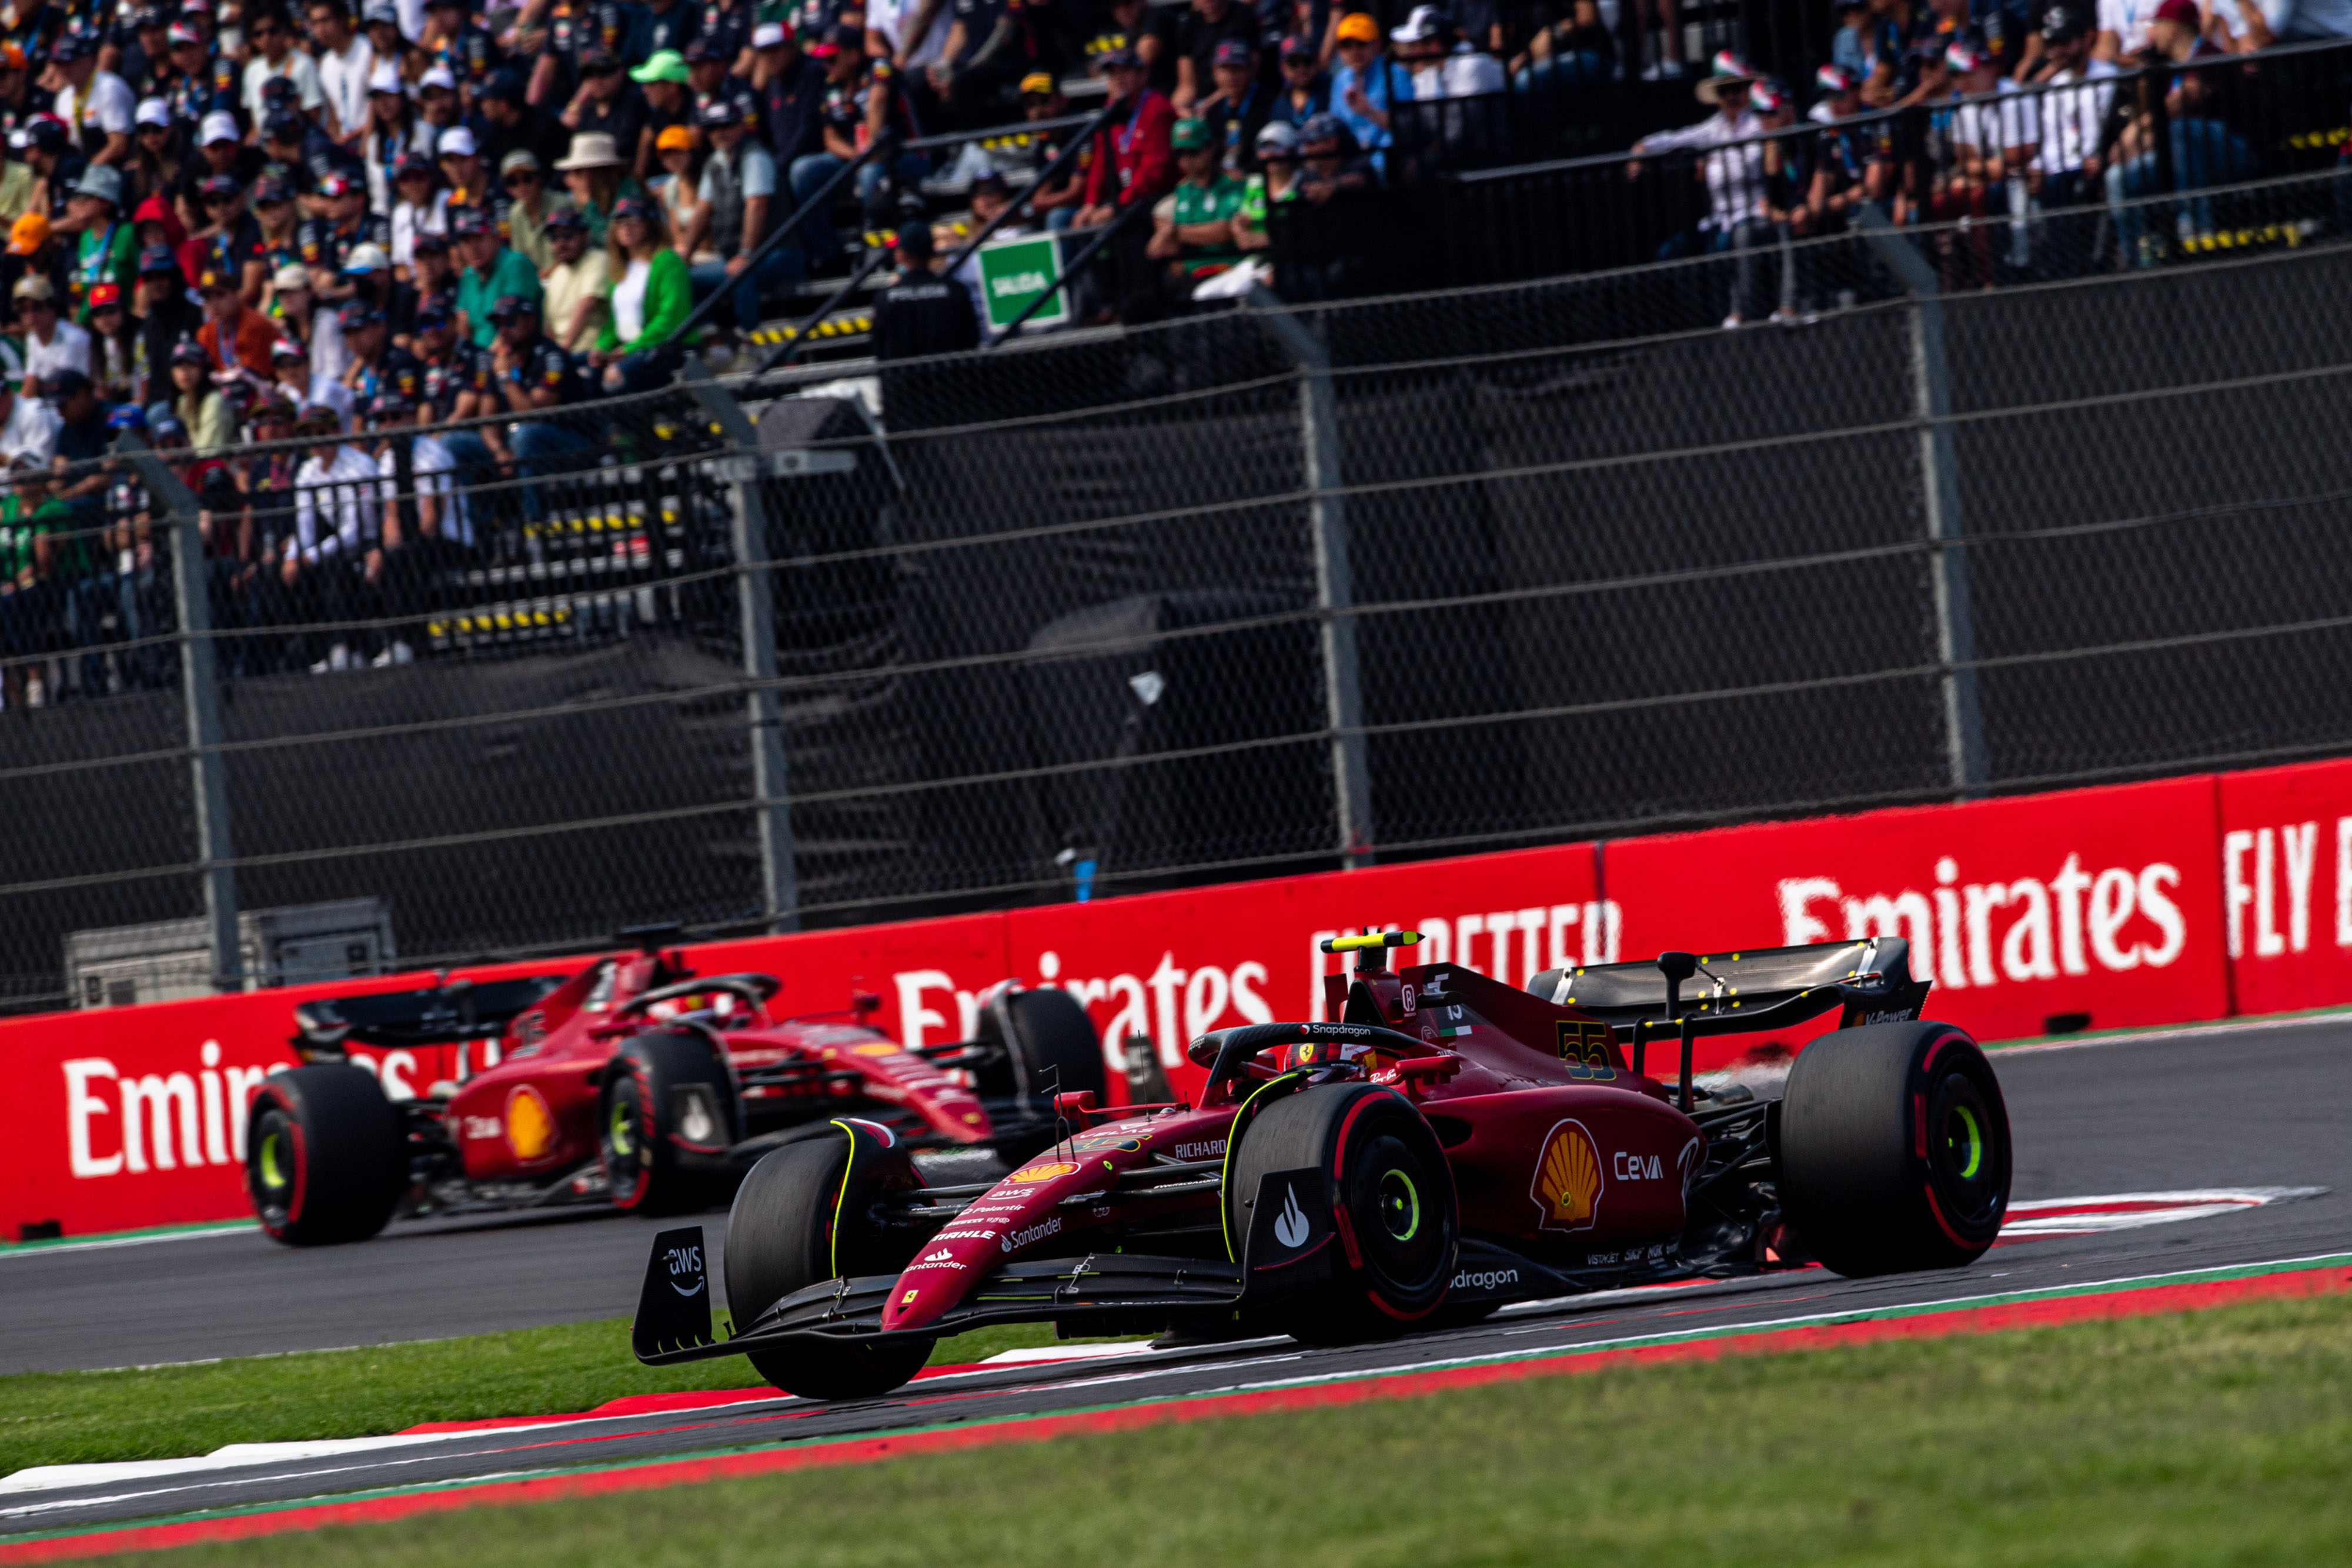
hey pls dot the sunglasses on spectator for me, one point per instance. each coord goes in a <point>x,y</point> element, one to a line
<point>524,177</point>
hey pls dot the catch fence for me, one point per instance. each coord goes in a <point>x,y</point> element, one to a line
<point>1264,591</point>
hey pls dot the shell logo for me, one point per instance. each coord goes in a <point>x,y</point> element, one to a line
<point>1031,1174</point>
<point>530,1125</point>
<point>1568,1179</point>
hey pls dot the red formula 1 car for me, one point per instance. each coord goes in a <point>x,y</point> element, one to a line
<point>1453,1145</point>
<point>638,1084</point>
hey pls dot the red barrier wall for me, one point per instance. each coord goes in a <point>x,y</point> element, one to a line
<point>2169,902</point>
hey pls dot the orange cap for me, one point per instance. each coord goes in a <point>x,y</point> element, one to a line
<point>1358,28</point>
<point>28,233</point>
<point>675,139</point>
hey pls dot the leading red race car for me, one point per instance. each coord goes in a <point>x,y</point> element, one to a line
<point>635,1083</point>
<point>1452,1144</point>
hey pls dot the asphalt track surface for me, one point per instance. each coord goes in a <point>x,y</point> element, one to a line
<point>2239,1107</point>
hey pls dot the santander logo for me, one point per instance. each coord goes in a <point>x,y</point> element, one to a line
<point>1995,931</point>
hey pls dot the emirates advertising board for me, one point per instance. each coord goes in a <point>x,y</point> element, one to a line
<point>2150,903</point>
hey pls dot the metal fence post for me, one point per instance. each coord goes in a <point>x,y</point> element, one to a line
<point>1940,469</point>
<point>200,701</point>
<point>1335,594</point>
<point>772,791</point>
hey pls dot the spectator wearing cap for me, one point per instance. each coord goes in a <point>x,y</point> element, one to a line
<point>346,61</point>
<point>432,275</point>
<point>1306,89</point>
<point>157,151</point>
<point>96,104</point>
<point>1731,162</point>
<point>651,296</point>
<point>83,441</point>
<point>669,106</point>
<point>230,240</point>
<point>925,312</point>
<point>679,188</point>
<point>326,241</point>
<point>233,337</point>
<point>990,195</point>
<point>791,88</point>
<point>422,207</point>
<point>142,53</point>
<point>160,307</point>
<point>39,556</point>
<point>607,103</point>
<point>575,286</point>
<point>300,314</point>
<point>34,250</point>
<point>271,34</point>
<point>593,173</point>
<point>392,138</point>
<point>302,386</point>
<point>504,123</point>
<point>106,248</point>
<point>1328,163</point>
<point>115,361</point>
<point>378,364</point>
<point>1275,184</point>
<point>1240,106</point>
<point>737,193</point>
<point>863,101</point>
<point>1192,226</point>
<point>220,150</point>
<point>300,154</point>
<point>374,282</point>
<point>277,237</point>
<point>1132,161</point>
<point>389,40</point>
<point>1057,202</point>
<point>491,271</point>
<point>525,208</point>
<point>1368,83</point>
<point>707,75</point>
<point>1572,53</point>
<point>195,401</point>
<point>529,370</point>
<point>436,102</point>
<point>2209,122</point>
<point>333,566</point>
<point>55,161</point>
<point>453,371</point>
<point>2078,91</point>
<point>462,167</point>
<point>450,40</point>
<point>1192,35</point>
<point>52,343</point>
<point>188,94</point>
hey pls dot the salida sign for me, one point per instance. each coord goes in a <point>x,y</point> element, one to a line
<point>2139,905</point>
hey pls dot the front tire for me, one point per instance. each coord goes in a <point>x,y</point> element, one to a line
<point>1393,1192</point>
<point>1056,1045</point>
<point>326,1155</point>
<point>1895,1149</point>
<point>781,1238</point>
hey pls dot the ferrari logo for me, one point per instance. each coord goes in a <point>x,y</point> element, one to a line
<point>1568,1179</point>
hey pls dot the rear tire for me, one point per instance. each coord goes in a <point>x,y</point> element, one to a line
<point>781,1239</point>
<point>1895,1149</point>
<point>326,1155</point>
<point>643,1120</point>
<point>1058,1044</point>
<point>1394,1192</point>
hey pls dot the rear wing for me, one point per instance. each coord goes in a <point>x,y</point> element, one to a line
<point>441,1015</point>
<point>1685,995</point>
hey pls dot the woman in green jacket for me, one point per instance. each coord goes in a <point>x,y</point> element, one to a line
<point>648,296</point>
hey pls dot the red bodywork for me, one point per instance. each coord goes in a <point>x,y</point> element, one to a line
<point>533,1111</point>
<point>1557,1147</point>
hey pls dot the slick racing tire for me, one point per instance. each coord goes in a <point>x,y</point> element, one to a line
<point>326,1155</point>
<point>1894,1149</point>
<point>1393,1194</point>
<point>664,1124</point>
<point>781,1238</point>
<point>1054,1042</point>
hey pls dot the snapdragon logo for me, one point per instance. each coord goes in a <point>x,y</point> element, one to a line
<point>1485,1280</point>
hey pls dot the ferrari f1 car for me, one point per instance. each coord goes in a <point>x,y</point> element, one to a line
<point>1452,1144</point>
<point>634,1083</point>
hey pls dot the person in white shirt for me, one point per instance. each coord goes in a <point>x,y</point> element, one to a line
<point>307,389</point>
<point>2077,87</point>
<point>335,559</point>
<point>886,26</point>
<point>1732,165</point>
<point>28,427</point>
<point>98,105</point>
<point>346,61</point>
<point>275,56</point>
<point>51,343</point>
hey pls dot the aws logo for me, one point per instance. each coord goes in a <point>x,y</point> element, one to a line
<point>1568,1178</point>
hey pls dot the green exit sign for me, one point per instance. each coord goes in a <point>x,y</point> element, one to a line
<point>1013,272</point>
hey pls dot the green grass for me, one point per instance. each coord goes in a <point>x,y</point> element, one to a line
<point>170,1412</point>
<point>2218,1437</point>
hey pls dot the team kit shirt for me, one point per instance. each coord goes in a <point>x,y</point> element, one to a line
<point>538,364</point>
<point>847,103</point>
<point>322,244</point>
<point>1210,204</point>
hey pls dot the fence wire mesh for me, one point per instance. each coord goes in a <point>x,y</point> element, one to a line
<point>1052,616</point>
